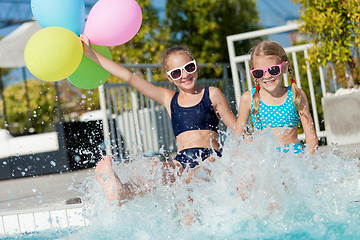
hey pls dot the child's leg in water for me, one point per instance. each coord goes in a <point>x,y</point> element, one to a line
<point>114,189</point>
<point>119,192</point>
<point>198,172</point>
<point>108,180</point>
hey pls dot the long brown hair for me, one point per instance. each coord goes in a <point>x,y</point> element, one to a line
<point>271,48</point>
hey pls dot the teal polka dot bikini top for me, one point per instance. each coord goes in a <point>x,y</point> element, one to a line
<point>275,116</point>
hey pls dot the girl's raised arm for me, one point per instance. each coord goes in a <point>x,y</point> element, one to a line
<point>158,94</point>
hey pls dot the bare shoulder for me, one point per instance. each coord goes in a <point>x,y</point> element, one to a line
<point>246,97</point>
<point>168,94</point>
<point>216,94</point>
<point>245,101</point>
<point>304,100</point>
<point>214,91</point>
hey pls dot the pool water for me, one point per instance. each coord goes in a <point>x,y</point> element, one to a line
<point>254,192</point>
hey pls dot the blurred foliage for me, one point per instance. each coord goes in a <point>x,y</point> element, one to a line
<point>334,26</point>
<point>3,72</point>
<point>42,105</point>
<point>42,113</point>
<point>340,73</point>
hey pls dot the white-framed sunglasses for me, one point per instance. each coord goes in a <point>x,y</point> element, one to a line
<point>176,73</point>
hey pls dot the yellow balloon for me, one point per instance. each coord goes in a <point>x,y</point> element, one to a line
<point>53,53</point>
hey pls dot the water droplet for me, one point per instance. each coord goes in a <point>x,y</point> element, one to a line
<point>77,158</point>
<point>102,146</point>
<point>53,163</point>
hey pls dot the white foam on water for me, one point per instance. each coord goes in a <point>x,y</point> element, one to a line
<point>253,192</point>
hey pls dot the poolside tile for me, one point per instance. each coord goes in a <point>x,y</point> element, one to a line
<point>11,224</point>
<point>59,219</point>
<point>2,230</point>
<point>42,220</point>
<point>27,223</point>
<point>75,217</point>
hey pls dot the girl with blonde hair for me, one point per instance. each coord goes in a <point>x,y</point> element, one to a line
<point>272,105</point>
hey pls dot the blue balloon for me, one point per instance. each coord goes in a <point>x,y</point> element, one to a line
<point>68,14</point>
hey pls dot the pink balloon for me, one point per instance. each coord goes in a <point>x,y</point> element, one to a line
<point>113,22</point>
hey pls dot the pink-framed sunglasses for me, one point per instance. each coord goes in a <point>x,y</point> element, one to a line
<point>273,71</point>
<point>176,73</point>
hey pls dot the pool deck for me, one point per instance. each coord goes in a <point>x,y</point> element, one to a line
<point>52,191</point>
<point>48,191</point>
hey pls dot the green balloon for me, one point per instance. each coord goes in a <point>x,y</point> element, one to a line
<point>89,75</point>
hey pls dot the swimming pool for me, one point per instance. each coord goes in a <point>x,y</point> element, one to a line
<point>254,193</point>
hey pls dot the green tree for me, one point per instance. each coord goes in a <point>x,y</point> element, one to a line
<point>3,119</point>
<point>334,26</point>
<point>42,106</point>
<point>203,25</point>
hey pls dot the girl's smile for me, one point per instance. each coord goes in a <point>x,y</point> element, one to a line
<point>269,81</point>
<point>187,80</point>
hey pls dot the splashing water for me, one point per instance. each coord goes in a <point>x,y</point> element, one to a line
<point>253,192</point>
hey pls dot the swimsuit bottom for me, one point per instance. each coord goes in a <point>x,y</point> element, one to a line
<point>190,157</point>
<point>286,148</point>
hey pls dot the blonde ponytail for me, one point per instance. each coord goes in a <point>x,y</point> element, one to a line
<point>295,90</point>
<point>256,99</point>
